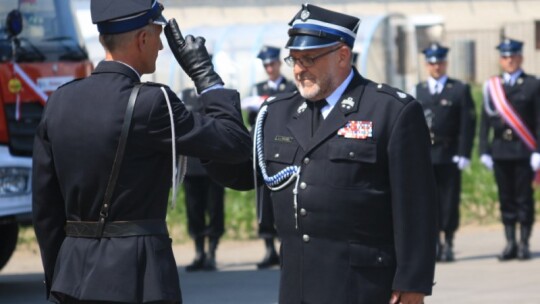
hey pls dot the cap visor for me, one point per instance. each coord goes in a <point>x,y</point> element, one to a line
<point>160,20</point>
<point>308,42</point>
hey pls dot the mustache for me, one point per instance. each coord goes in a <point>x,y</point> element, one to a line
<point>304,76</point>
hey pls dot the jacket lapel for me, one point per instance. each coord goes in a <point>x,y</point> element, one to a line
<point>300,125</point>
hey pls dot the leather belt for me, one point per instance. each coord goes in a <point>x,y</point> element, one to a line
<point>116,229</point>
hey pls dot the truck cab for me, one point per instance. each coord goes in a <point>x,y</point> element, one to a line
<point>41,48</point>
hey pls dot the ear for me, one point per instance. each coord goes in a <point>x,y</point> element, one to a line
<point>142,39</point>
<point>345,56</point>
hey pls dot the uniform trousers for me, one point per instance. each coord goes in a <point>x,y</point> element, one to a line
<point>70,300</point>
<point>204,195</point>
<point>514,181</point>
<point>448,179</point>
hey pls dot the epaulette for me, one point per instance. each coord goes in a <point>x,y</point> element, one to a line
<point>397,94</point>
<point>71,81</point>
<point>279,97</point>
<point>154,84</point>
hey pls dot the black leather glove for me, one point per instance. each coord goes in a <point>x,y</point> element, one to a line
<point>192,56</point>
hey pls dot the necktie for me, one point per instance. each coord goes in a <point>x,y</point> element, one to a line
<point>317,114</point>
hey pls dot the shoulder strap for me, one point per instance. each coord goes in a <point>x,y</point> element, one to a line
<point>104,213</point>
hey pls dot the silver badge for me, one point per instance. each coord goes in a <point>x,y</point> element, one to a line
<point>401,94</point>
<point>305,14</point>
<point>347,103</point>
<point>302,108</point>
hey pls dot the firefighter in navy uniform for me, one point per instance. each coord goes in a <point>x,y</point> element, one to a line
<point>509,131</point>
<point>203,196</point>
<point>276,83</point>
<point>101,182</point>
<point>352,184</point>
<point>450,116</point>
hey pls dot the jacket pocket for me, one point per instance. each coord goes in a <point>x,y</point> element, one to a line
<point>280,153</point>
<point>353,150</point>
<point>368,256</point>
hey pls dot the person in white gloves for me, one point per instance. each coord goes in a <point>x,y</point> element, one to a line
<point>450,115</point>
<point>509,131</point>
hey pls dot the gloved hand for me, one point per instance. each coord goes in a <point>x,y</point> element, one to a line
<point>192,56</point>
<point>487,161</point>
<point>535,161</point>
<point>461,161</point>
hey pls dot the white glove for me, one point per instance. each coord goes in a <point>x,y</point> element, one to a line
<point>535,161</point>
<point>461,161</point>
<point>487,161</point>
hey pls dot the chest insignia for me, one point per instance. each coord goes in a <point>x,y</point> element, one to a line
<point>446,102</point>
<point>302,108</point>
<point>283,139</point>
<point>357,129</point>
<point>347,103</point>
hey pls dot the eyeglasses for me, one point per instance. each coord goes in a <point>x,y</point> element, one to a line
<point>306,61</point>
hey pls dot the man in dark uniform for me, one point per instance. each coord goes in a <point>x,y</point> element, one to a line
<point>276,83</point>
<point>450,115</point>
<point>509,132</point>
<point>202,196</point>
<point>351,184</point>
<point>99,209</point>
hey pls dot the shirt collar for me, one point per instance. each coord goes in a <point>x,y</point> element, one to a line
<point>334,97</point>
<point>275,84</point>
<point>129,67</point>
<point>512,77</point>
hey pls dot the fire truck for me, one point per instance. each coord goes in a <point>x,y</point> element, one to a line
<point>41,48</point>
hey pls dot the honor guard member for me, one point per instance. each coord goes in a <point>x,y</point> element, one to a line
<point>203,196</point>
<point>509,132</point>
<point>347,164</point>
<point>104,156</point>
<point>450,116</point>
<point>275,84</point>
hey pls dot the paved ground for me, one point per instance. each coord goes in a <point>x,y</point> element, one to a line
<point>476,276</point>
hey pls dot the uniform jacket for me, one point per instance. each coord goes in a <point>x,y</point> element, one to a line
<point>451,118</point>
<point>263,89</point>
<point>496,137</point>
<point>74,148</point>
<point>191,101</point>
<point>366,207</point>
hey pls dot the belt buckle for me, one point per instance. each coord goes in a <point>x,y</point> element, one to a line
<point>508,135</point>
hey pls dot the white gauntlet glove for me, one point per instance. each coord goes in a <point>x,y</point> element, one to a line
<point>487,161</point>
<point>535,161</point>
<point>461,161</point>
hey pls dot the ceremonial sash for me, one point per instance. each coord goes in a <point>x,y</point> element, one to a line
<point>504,108</point>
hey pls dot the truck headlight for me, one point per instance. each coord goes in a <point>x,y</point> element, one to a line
<point>14,181</point>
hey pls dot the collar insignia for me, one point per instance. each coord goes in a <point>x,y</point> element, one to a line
<point>302,108</point>
<point>347,103</point>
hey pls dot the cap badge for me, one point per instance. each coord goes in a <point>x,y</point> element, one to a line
<point>305,14</point>
<point>302,108</point>
<point>347,103</point>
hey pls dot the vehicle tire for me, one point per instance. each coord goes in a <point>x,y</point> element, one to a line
<point>8,241</point>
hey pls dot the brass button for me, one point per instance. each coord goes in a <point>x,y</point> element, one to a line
<point>303,185</point>
<point>508,134</point>
<point>303,212</point>
<point>306,160</point>
<point>305,238</point>
<point>276,155</point>
<point>351,154</point>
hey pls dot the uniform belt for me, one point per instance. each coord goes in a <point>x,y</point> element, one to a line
<point>116,229</point>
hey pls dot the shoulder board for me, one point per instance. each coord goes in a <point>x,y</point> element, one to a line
<point>154,84</point>
<point>397,94</point>
<point>279,97</point>
<point>69,82</point>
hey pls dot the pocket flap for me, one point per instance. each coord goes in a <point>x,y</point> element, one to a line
<point>353,150</point>
<point>367,256</point>
<point>281,153</point>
